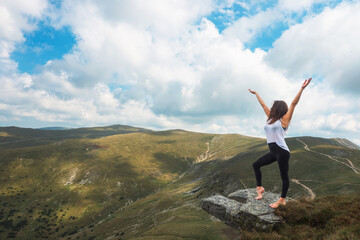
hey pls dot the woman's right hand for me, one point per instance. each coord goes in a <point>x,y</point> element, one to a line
<point>253,92</point>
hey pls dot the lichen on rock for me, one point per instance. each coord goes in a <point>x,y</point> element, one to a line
<point>242,211</point>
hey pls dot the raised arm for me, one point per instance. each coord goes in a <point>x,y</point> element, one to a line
<point>287,117</point>
<point>262,103</point>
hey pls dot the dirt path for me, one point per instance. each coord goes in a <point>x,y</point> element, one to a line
<point>349,164</point>
<point>208,154</point>
<point>309,190</point>
<point>204,156</point>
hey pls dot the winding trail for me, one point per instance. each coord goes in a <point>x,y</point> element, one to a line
<point>204,156</point>
<point>309,190</point>
<point>208,154</point>
<point>349,164</point>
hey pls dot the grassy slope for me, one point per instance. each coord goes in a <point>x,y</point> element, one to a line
<point>87,179</point>
<point>183,218</point>
<point>14,137</point>
<point>123,185</point>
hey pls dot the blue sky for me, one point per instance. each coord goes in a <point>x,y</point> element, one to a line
<point>44,44</point>
<point>180,64</point>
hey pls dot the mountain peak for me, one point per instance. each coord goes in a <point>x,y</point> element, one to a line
<point>345,143</point>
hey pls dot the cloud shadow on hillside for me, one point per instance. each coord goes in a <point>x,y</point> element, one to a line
<point>170,163</point>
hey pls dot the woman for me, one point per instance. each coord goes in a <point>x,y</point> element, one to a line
<point>279,117</point>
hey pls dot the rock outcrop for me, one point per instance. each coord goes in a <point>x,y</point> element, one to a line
<point>242,211</point>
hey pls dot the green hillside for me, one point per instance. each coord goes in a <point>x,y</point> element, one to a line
<point>15,137</point>
<point>144,184</point>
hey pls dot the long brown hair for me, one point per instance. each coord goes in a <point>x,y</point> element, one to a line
<point>277,111</point>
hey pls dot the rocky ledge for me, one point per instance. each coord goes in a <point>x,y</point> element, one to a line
<point>242,211</point>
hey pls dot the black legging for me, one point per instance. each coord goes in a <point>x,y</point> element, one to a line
<point>282,157</point>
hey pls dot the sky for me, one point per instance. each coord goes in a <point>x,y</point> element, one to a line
<point>180,64</point>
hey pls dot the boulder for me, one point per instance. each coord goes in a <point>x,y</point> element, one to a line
<point>242,211</point>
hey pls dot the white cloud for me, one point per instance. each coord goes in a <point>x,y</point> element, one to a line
<point>322,112</point>
<point>264,19</point>
<point>232,124</point>
<point>175,77</point>
<point>298,5</point>
<point>356,141</point>
<point>160,16</point>
<point>326,45</point>
<point>169,78</point>
<point>162,65</point>
<point>248,27</point>
<point>339,123</point>
<point>88,107</point>
<point>14,20</point>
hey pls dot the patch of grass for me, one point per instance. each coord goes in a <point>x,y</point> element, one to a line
<point>337,216</point>
<point>329,217</point>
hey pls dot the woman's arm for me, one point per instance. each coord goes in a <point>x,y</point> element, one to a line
<point>287,117</point>
<point>262,103</point>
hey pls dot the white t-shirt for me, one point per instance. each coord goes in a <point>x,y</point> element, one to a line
<point>275,133</point>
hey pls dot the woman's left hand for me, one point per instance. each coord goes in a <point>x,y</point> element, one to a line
<point>306,82</point>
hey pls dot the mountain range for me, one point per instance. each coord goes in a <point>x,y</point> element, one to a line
<point>123,182</point>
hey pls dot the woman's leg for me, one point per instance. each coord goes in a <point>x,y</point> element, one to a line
<point>262,161</point>
<point>283,157</point>
<point>283,162</point>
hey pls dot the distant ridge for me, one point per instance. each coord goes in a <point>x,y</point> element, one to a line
<point>53,128</point>
<point>14,137</point>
